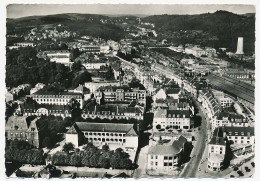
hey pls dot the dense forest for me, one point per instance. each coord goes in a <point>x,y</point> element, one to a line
<point>226,26</point>
<point>22,66</point>
<point>85,24</point>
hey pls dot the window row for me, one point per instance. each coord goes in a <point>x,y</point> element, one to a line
<point>104,134</point>
<point>106,139</point>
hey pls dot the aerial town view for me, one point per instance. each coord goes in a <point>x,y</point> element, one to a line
<point>164,91</point>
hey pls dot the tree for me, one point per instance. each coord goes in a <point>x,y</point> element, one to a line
<point>94,160</point>
<point>105,148</point>
<point>135,83</point>
<point>104,162</point>
<point>74,53</point>
<point>109,75</point>
<point>75,160</point>
<point>68,147</point>
<point>47,142</point>
<point>158,126</point>
<point>76,66</point>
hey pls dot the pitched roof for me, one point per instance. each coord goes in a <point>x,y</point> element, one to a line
<point>172,149</point>
<point>73,129</point>
<point>217,141</point>
<point>107,127</point>
<point>173,91</point>
<point>239,131</point>
<point>20,121</point>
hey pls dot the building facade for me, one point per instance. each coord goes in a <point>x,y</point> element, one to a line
<point>113,134</point>
<point>20,128</point>
<point>172,119</point>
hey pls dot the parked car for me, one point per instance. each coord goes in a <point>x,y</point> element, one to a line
<point>253,164</point>
<point>240,173</point>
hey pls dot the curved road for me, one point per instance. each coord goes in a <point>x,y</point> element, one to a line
<point>192,166</point>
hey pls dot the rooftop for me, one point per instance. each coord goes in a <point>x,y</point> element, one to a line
<point>107,127</point>
<point>217,141</point>
<point>173,148</point>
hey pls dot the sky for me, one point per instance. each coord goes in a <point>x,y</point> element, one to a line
<point>23,10</point>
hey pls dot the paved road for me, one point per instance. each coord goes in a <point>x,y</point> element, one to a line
<point>142,162</point>
<point>199,147</point>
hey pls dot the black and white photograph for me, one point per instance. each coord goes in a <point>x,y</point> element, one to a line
<point>129,91</point>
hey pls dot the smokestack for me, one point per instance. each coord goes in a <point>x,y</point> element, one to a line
<point>240,46</point>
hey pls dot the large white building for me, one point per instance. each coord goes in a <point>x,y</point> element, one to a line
<point>172,119</point>
<point>113,134</point>
<point>164,158</point>
<point>112,94</point>
<point>113,112</point>
<point>46,96</point>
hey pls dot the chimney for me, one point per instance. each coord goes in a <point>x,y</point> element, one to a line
<point>240,46</point>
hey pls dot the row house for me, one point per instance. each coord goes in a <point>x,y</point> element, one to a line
<point>241,139</point>
<point>113,112</point>
<point>112,134</point>
<point>231,120</point>
<point>209,103</point>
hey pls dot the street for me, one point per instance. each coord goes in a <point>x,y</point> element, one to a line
<point>192,166</point>
<point>142,161</point>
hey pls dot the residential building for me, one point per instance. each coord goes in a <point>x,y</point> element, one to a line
<point>172,119</point>
<point>216,153</point>
<point>113,134</point>
<point>94,86</point>
<point>20,128</point>
<point>164,158</point>
<point>48,96</point>
<point>195,50</point>
<point>123,94</point>
<point>95,64</point>
<point>24,44</point>
<point>113,112</point>
<point>240,135</point>
<point>44,110</point>
<point>223,99</point>
<point>116,66</point>
<point>230,120</point>
<point>209,103</point>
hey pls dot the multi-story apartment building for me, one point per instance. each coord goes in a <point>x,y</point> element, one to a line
<point>47,96</point>
<point>216,153</point>
<point>95,64</point>
<point>231,120</point>
<point>176,119</point>
<point>24,44</point>
<point>163,158</point>
<point>240,135</point>
<point>125,94</point>
<point>44,110</point>
<point>224,100</point>
<point>113,112</point>
<point>113,134</point>
<point>20,128</point>
<point>93,86</point>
